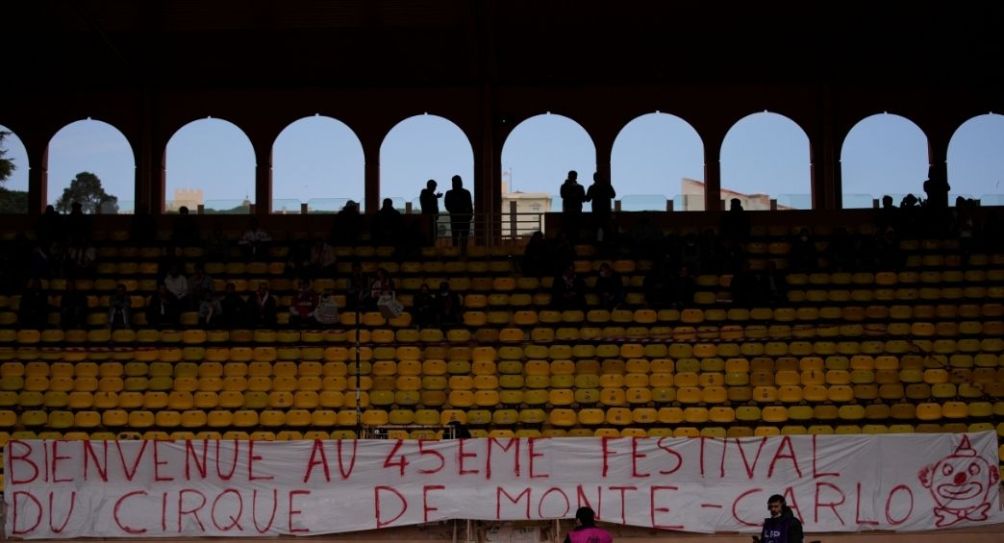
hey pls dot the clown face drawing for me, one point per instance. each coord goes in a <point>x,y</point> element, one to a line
<point>960,484</point>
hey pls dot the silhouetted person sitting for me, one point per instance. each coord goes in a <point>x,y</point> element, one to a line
<point>357,294</point>
<point>162,309</point>
<point>348,224</point>
<point>186,231</point>
<point>234,308</point>
<point>78,225</point>
<point>535,256</point>
<point>120,308</point>
<point>424,310</point>
<point>449,305</point>
<point>33,311</point>
<point>803,256</point>
<point>262,307</point>
<point>254,241</point>
<point>572,196</point>
<point>682,288</point>
<point>210,309</point>
<point>50,227</point>
<point>460,206</point>
<point>568,290</point>
<point>609,287</point>
<point>387,224</point>
<point>303,305</point>
<point>72,307</point>
<point>601,193</point>
<point>735,222</point>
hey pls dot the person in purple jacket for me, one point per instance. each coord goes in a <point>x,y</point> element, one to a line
<point>781,526</point>
<point>585,530</point>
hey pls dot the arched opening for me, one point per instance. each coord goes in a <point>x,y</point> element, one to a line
<point>316,161</point>
<point>13,173</point>
<point>658,156</point>
<point>536,159</point>
<point>976,160</point>
<point>766,156</point>
<point>420,148</point>
<point>91,162</point>
<point>882,154</point>
<point>209,162</point>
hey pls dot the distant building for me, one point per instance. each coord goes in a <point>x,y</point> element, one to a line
<point>530,207</point>
<point>190,198</point>
<point>692,192</point>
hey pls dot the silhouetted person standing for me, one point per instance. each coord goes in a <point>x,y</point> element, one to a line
<point>572,196</point>
<point>937,188</point>
<point>601,193</point>
<point>428,199</point>
<point>461,209</point>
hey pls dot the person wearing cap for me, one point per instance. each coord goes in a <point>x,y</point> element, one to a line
<point>781,526</point>
<point>585,530</point>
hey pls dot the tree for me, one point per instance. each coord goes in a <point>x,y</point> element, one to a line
<point>7,165</point>
<point>86,189</point>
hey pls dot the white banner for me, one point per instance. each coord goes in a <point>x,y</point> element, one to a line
<point>61,489</point>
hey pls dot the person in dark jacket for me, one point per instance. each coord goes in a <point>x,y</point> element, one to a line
<point>460,206</point>
<point>572,196</point>
<point>781,526</point>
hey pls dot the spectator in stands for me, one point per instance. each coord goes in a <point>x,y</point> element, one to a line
<point>381,285</point>
<point>72,307</point>
<point>262,307</point>
<point>568,290</point>
<point>387,224</point>
<point>781,526</point>
<point>79,261</point>
<point>682,288</point>
<point>322,259</point>
<point>774,284</point>
<point>424,311</point>
<point>33,311</point>
<point>298,258</point>
<point>657,284</point>
<point>200,282</point>
<point>162,309</point>
<point>535,256</point>
<point>610,287</point>
<point>803,256</point>
<point>460,206</point>
<point>601,193</point>
<point>736,222</point>
<point>301,310</point>
<point>210,309</point>
<point>234,308</point>
<point>254,241</point>
<point>457,430</point>
<point>50,227</point>
<point>177,285</point>
<point>217,244</point>
<point>585,530</point>
<point>326,313</point>
<point>572,196</point>
<point>186,231</point>
<point>120,308</point>
<point>39,262</point>
<point>357,295</point>
<point>449,305</point>
<point>347,226</point>
<point>78,225</point>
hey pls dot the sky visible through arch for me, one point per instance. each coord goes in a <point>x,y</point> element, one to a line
<point>318,158</point>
